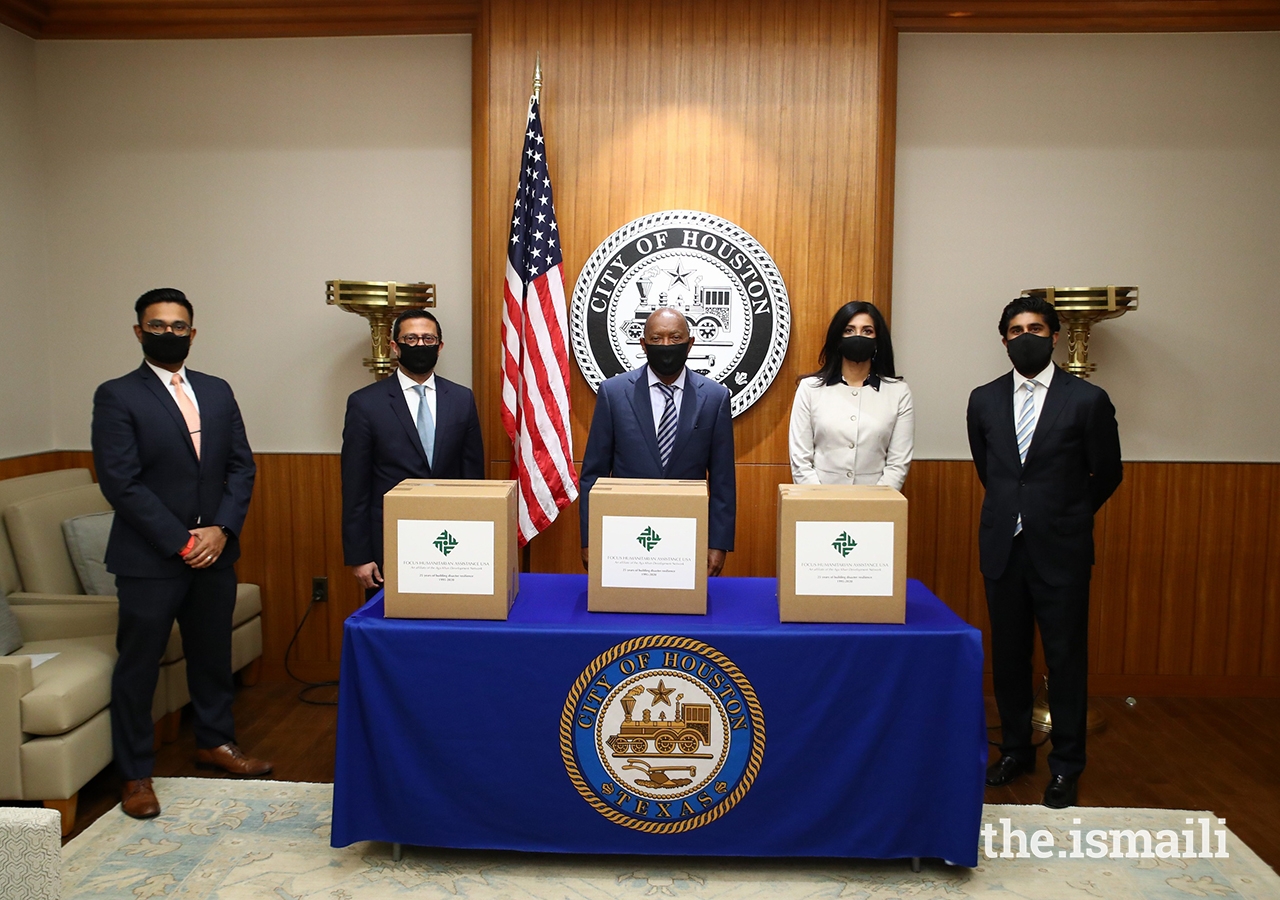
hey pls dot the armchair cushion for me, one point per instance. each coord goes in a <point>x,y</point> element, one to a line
<point>86,538</point>
<point>35,533</point>
<point>14,490</point>
<point>71,688</point>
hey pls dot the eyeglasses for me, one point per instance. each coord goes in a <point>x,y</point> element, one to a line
<point>414,340</point>
<point>157,326</point>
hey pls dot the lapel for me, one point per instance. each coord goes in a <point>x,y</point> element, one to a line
<point>170,405</point>
<point>643,410</point>
<point>1054,401</point>
<point>1006,434</point>
<point>400,409</point>
<point>690,406</point>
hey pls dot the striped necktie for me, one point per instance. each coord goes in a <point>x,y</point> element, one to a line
<point>426,425</point>
<point>667,424</point>
<point>1027,420</point>
<point>1026,428</point>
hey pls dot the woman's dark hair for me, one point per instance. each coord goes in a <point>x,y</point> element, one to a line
<point>830,361</point>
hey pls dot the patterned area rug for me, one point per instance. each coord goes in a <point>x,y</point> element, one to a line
<point>269,840</point>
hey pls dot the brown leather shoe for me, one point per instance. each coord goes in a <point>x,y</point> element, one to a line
<point>230,758</point>
<point>137,799</point>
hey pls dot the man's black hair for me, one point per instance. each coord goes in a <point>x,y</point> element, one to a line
<point>1037,305</point>
<point>414,314</point>
<point>163,295</point>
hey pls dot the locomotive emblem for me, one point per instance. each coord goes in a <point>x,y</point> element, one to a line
<point>662,734</point>
<point>718,275</point>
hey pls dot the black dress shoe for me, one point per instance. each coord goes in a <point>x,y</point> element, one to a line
<point>1007,768</point>
<point>1061,791</point>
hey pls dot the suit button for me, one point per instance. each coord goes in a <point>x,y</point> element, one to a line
<point>853,418</point>
<point>855,392</point>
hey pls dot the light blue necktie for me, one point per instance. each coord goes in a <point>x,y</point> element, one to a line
<point>667,424</point>
<point>426,425</point>
<point>1026,428</point>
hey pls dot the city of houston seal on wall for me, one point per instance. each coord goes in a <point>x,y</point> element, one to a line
<point>662,734</point>
<point>708,268</point>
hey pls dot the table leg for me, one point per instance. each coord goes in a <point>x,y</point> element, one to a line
<point>397,853</point>
<point>915,862</point>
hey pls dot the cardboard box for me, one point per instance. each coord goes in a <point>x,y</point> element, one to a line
<point>648,542</point>
<point>450,549</point>
<point>842,553</point>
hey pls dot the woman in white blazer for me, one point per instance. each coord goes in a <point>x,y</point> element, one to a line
<point>852,421</point>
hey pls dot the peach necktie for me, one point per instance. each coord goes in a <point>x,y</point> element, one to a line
<point>189,411</point>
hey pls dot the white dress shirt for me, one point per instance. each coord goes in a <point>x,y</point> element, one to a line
<point>409,387</point>
<point>1041,391</point>
<point>851,435</point>
<point>167,377</point>
<point>658,400</point>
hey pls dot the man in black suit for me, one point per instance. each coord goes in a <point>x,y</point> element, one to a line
<point>173,460</point>
<point>1047,450</point>
<point>414,424</point>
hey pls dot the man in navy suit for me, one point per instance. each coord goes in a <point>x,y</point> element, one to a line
<point>1047,450</point>
<point>173,460</point>
<point>664,421</point>
<point>414,424</point>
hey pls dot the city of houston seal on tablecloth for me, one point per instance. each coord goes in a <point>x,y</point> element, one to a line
<point>711,270</point>
<point>662,734</point>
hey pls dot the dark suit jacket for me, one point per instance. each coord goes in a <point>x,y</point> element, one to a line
<point>148,471</point>
<point>1073,466</point>
<point>622,443</point>
<point>381,448</point>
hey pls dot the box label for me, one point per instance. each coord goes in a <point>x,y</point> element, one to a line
<point>649,552</point>
<point>844,559</point>
<point>445,556</point>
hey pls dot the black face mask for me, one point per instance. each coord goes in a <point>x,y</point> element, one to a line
<point>420,359</point>
<point>166,347</point>
<point>1030,353</point>
<point>667,359</point>
<point>856,348</point>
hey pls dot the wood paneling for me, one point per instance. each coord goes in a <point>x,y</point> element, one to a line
<point>117,19</point>
<point>1084,15</point>
<point>769,113</point>
<point>1185,597</point>
<point>1184,588</point>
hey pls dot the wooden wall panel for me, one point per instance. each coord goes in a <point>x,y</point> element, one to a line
<point>1083,15</point>
<point>1216,572</point>
<point>768,113</point>
<point>132,19</point>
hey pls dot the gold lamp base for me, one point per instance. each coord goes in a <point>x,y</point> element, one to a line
<point>1079,308</point>
<point>1042,721</point>
<point>379,302</point>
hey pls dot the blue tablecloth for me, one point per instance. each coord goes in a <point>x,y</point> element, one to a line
<point>449,730</point>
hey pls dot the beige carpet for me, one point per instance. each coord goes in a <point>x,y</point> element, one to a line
<point>269,840</point>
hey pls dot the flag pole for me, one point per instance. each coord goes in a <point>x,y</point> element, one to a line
<point>537,77</point>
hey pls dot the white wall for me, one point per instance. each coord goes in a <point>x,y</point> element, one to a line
<point>28,333</point>
<point>1034,160</point>
<point>247,173</point>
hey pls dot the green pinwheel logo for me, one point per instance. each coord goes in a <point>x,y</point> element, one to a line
<point>648,538</point>
<point>844,544</point>
<point>445,543</point>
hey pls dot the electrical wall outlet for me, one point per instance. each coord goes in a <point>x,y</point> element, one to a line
<point>320,590</point>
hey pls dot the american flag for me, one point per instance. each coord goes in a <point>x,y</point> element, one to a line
<point>535,357</point>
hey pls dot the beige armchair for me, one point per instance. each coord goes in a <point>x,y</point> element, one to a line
<point>55,722</point>
<point>44,565</point>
